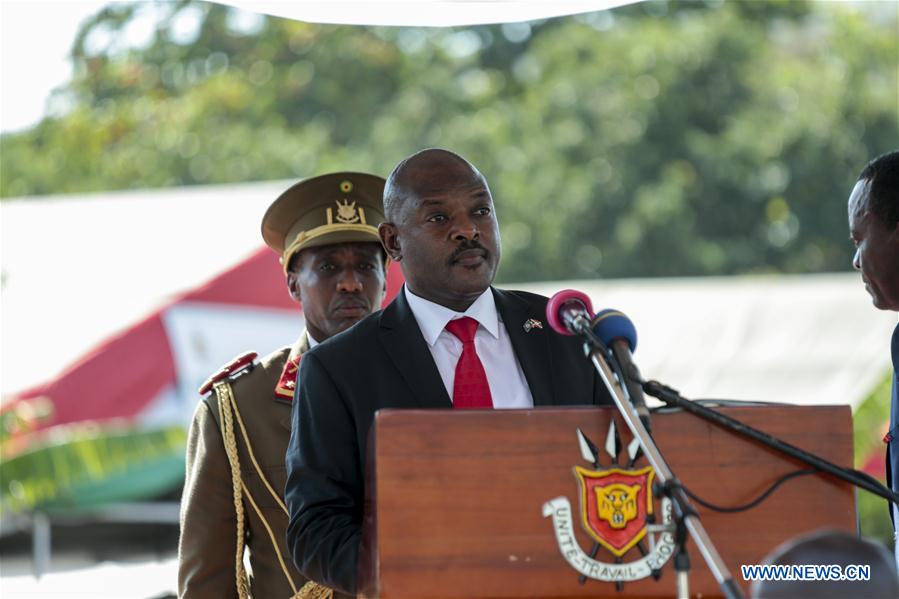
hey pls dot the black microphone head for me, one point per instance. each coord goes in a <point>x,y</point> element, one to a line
<point>563,305</point>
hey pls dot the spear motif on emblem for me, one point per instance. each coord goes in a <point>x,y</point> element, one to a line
<point>612,447</point>
<point>616,511</point>
<point>588,449</point>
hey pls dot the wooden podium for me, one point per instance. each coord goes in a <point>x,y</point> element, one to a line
<point>455,499</point>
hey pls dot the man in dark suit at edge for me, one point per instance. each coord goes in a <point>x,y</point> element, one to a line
<point>874,230</point>
<point>448,340</point>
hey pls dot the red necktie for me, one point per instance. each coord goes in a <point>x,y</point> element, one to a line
<point>470,388</point>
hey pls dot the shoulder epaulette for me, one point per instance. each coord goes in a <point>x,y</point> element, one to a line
<point>239,363</point>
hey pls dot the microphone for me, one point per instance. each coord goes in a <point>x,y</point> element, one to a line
<point>618,333</point>
<point>568,312</point>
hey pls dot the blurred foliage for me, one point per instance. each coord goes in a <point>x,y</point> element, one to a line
<point>870,423</point>
<point>657,139</point>
<point>89,463</point>
<point>19,419</point>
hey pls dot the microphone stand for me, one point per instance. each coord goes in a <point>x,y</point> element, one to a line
<point>672,398</point>
<point>686,518</point>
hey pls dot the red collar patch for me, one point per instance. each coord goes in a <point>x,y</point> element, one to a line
<point>288,381</point>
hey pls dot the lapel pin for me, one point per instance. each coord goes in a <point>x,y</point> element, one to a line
<point>532,323</point>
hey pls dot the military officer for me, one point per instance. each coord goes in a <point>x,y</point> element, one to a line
<point>326,231</point>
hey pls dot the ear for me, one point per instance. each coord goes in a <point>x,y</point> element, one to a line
<point>390,240</point>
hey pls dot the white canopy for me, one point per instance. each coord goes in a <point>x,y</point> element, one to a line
<point>78,268</point>
<point>447,13</point>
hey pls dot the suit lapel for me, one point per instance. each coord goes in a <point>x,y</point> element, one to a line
<point>407,349</point>
<point>531,348</point>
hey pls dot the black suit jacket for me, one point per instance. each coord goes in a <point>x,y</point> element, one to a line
<point>892,453</point>
<point>384,362</point>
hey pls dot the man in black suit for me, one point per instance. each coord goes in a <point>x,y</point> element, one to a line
<point>448,340</point>
<point>874,230</point>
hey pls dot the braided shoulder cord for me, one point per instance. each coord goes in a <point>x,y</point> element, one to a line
<point>310,590</point>
<point>313,590</point>
<point>271,536</point>
<point>225,397</point>
<point>246,440</point>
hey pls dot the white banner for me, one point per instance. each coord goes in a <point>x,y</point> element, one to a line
<point>659,553</point>
<point>205,336</point>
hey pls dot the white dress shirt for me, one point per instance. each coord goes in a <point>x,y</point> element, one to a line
<point>312,341</point>
<point>895,533</point>
<point>508,387</point>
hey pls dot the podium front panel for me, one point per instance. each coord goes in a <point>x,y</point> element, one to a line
<point>456,498</point>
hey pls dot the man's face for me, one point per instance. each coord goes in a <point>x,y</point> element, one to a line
<point>446,237</point>
<point>338,285</point>
<point>877,249</point>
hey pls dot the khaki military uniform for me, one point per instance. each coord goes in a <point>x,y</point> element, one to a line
<point>233,492</point>
<point>262,394</point>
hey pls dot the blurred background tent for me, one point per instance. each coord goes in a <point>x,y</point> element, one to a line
<point>628,148</point>
<point>141,378</point>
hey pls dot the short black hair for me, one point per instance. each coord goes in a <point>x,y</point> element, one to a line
<point>293,263</point>
<point>394,192</point>
<point>395,189</point>
<point>882,175</point>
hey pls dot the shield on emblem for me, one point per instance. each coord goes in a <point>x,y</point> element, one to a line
<point>614,505</point>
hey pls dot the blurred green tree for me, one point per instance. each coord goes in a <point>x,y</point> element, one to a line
<point>659,139</point>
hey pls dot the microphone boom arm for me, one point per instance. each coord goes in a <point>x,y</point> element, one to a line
<point>672,398</point>
<point>596,352</point>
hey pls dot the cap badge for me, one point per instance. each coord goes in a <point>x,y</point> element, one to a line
<point>347,212</point>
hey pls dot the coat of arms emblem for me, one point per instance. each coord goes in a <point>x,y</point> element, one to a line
<point>617,510</point>
<point>346,212</point>
<point>615,504</point>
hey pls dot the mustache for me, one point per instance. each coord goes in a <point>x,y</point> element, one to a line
<point>350,302</point>
<point>465,246</point>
